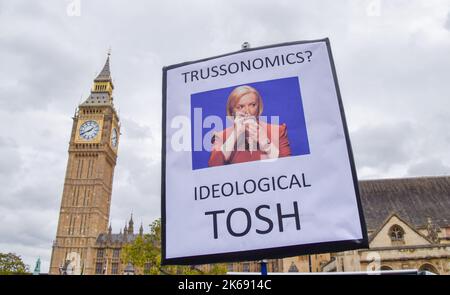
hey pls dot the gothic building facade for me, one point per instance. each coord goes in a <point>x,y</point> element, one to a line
<point>108,249</point>
<point>408,223</point>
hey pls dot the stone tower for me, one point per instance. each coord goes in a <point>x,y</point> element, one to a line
<point>86,198</point>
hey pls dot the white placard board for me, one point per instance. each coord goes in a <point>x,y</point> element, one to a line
<point>291,189</point>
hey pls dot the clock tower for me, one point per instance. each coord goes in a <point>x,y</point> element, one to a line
<point>86,197</point>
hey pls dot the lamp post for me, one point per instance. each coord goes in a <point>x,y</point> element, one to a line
<point>129,270</point>
<point>63,268</point>
<point>263,264</point>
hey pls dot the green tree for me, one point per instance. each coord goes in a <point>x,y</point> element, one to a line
<point>11,264</point>
<point>146,249</point>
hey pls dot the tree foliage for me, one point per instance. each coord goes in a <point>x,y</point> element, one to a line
<point>11,263</point>
<point>146,249</point>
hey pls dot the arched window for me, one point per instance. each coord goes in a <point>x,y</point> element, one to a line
<point>385,267</point>
<point>230,267</point>
<point>396,233</point>
<point>428,267</point>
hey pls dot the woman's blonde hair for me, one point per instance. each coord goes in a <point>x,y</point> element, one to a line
<point>239,92</point>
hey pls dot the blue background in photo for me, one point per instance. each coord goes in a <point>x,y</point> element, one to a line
<point>281,97</point>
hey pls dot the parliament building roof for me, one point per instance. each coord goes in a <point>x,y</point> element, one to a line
<point>413,199</point>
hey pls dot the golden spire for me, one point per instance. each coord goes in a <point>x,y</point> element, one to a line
<point>102,89</point>
<point>103,81</point>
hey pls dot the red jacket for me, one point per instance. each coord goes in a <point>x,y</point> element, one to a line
<point>217,158</point>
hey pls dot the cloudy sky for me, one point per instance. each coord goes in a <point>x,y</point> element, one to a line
<point>392,60</point>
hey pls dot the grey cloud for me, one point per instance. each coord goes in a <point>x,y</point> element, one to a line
<point>28,226</point>
<point>383,146</point>
<point>7,142</point>
<point>429,167</point>
<point>135,130</point>
<point>38,196</point>
<point>447,22</point>
<point>36,57</point>
<point>136,187</point>
<point>10,160</point>
<point>142,175</point>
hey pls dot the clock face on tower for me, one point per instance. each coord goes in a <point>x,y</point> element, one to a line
<point>89,130</point>
<point>114,137</point>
